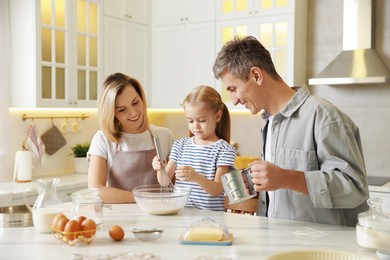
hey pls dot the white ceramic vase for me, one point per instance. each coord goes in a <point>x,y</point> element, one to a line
<point>80,164</point>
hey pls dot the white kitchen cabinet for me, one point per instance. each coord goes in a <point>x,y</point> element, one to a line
<point>183,59</point>
<point>183,49</point>
<point>55,52</point>
<point>233,9</point>
<point>127,50</point>
<point>183,11</point>
<point>131,10</point>
<point>280,25</point>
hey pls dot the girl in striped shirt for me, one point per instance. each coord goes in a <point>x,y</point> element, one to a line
<point>200,160</point>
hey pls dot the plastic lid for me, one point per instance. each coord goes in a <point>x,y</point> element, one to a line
<point>206,229</point>
<point>86,194</point>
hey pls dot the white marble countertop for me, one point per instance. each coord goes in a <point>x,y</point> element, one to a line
<point>254,237</point>
<point>384,188</point>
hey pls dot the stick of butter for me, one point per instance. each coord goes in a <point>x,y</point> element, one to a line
<point>204,234</point>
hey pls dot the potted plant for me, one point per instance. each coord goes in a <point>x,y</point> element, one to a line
<point>79,152</point>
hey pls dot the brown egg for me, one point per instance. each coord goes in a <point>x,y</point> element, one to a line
<point>116,232</point>
<point>61,223</point>
<point>72,230</point>
<point>56,218</point>
<point>88,228</point>
<point>80,219</point>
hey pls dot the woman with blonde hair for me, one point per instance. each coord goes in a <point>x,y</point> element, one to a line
<point>200,160</point>
<point>121,152</point>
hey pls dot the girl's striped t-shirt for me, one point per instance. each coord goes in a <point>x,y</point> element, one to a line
<point>205,159</point>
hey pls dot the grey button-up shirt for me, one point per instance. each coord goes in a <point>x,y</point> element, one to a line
<point>313,136</point>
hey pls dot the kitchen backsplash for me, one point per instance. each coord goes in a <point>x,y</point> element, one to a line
<point>245,132</point>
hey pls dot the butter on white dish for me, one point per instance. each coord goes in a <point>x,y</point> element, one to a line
<point>204,234</point>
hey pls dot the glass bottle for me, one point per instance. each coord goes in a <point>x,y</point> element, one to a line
<point>46,206</point>
<point>48,196</point>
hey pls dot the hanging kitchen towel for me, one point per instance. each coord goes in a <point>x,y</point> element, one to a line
<point>53,140</point>
<point>35,145</point>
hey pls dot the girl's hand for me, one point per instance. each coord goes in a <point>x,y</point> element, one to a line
<point>186,173</point>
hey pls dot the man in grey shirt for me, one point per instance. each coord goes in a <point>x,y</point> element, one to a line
<point>313,166</point>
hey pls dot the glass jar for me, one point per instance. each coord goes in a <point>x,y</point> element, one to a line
<point>373,228</point>
<point>88,203</point>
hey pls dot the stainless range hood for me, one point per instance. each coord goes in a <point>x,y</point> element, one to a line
<point>358,63</point>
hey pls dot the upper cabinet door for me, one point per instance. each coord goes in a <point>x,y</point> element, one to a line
<point>129,53</point>
<point>59,57</point>
<point>182,30</point>
<point>127,40</point>
<point>168,12</point>
<point>87,39</point>
<point>133,10</point>
<point>178,67</point>
<point>230,9</point>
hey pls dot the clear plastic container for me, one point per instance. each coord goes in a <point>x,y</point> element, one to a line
<point>89,204</point>
<point>207,231</point>
<point>373,228</point>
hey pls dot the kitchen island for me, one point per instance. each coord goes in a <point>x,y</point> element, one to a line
<point>254,237</point>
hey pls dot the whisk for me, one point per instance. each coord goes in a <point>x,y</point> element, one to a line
<point>167,185</point>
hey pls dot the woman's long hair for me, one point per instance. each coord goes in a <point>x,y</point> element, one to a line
<point>113,86</point>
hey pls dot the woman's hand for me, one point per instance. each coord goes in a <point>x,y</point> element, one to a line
<point>186,173</point>
<point>156,164</point>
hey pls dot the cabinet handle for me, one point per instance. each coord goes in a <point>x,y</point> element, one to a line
<point>186,19</point>
<point>181,19</point>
